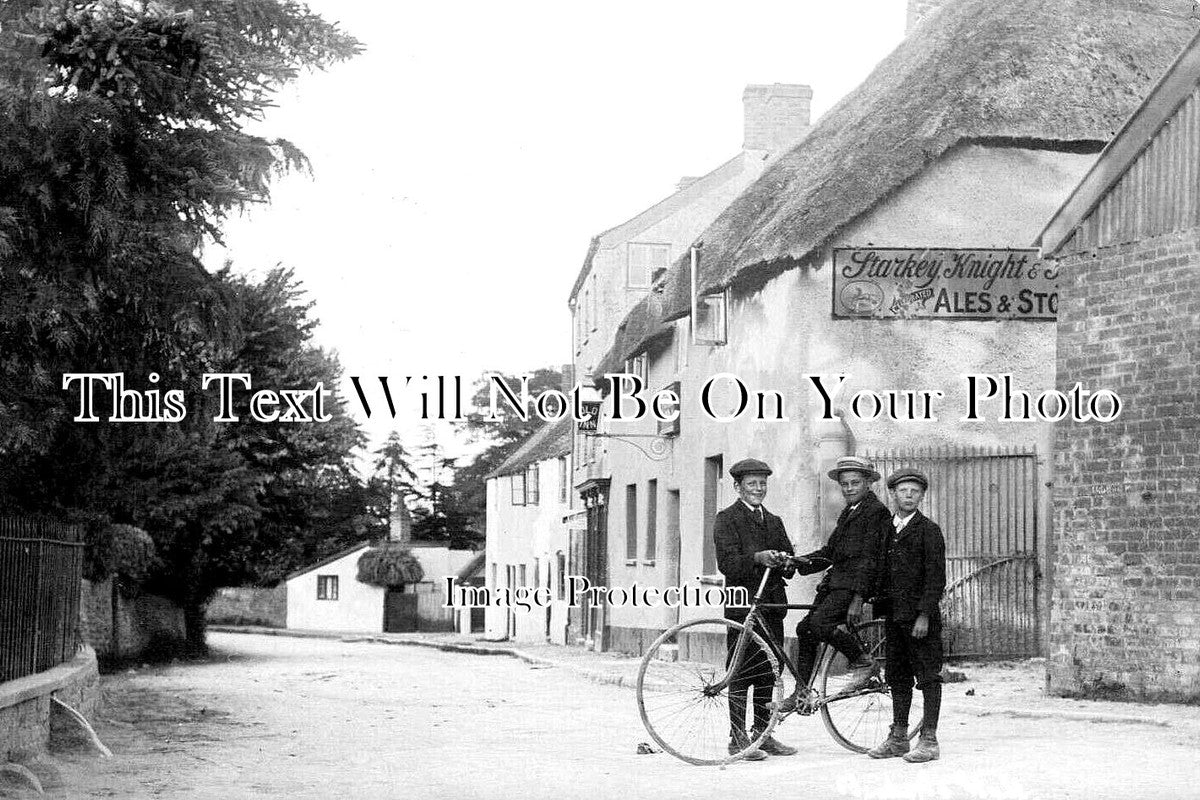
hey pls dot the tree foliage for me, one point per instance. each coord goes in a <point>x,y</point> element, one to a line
<point>504,437</point>
<point>122,149</point>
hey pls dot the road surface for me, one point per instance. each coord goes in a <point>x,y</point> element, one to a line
<point>277,717</point>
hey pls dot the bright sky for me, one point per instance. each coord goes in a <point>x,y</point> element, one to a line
<point>464,161</point>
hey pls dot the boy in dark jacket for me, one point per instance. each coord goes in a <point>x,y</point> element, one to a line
<point>851,554</point>
<point>914,577</point>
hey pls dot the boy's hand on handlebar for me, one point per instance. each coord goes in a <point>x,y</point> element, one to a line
<point>771,558</point>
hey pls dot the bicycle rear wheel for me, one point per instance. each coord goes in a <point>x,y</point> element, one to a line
<point>683,691</point>
<point>862,719</point>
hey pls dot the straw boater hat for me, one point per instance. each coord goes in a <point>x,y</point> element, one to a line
<point>854,464</point>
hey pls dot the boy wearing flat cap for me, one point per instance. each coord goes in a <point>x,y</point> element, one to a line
<point>913,578</point>
<point>748,540</point>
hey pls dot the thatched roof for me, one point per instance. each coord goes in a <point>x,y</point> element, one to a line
<point>1034,73</point>
<point>551,440</point>
<point>642,329</point>
<point>1146,123</point>
<point>389,564</point>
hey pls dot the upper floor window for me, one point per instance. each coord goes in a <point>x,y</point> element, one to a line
<point>638,365</point>
<point>562,479</point>
<point>644,261</point>
<point>531,485</point>
<point>710,319</point>
<point>518,489</point>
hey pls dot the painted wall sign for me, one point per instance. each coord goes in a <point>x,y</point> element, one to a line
<point>894,282</point>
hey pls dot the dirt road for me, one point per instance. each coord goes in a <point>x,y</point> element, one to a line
<point>274,717</point>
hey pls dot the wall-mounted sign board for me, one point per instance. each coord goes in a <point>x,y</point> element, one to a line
<point>908,283</point>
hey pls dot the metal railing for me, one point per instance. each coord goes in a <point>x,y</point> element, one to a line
<point>41,562</point>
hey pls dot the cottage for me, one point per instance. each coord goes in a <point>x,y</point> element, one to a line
<point>1126,560</point>
<point>329,595</point>
<point>958,147</point>
<point>528,540</point>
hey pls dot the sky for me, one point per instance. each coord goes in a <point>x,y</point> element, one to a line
<point>463,162</point>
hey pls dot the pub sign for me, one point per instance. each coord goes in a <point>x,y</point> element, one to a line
<point>943,283</point>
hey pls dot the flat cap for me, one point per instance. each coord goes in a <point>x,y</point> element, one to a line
<point>907,474</point>
<point>854,464</point>
<point>749,466</point>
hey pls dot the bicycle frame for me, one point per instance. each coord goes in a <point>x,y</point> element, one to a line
<point>749,623</point>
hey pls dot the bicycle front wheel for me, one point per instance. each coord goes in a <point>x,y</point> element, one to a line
<point>859,720</point>
<point>683,689</point>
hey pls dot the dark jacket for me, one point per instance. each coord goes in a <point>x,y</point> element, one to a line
<point>914,574</point>
<point>854,548</point>
<point>738,535</point>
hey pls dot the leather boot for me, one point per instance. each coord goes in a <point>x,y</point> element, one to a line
<point>896,744</point>
<point>773,747</point>
<point>862,670</point>
<point>738,742</point>
<point>926,749</point>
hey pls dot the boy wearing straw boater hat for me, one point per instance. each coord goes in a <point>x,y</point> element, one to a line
<point>748,540</point>
<point>851,554</point>
<point>913,578</point>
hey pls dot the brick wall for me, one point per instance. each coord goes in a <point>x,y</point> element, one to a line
<point>1125,613</point>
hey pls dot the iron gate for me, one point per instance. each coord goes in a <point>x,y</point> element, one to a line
<point>985,500</point>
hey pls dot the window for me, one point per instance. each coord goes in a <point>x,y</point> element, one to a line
<point>562,479</point>
<point>521,581</point>
<point>638,366</point>
<point>671,428</point>
<point>327,587</point>
<point>651,520</point>
<point>644,261</point>
<point>518,489</point>
<point>532,492</point>
<point>682,340</point>
<point>631,522</point>
<point>713,467</point>
<point>710,320</point>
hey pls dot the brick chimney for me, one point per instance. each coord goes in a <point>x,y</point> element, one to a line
<point>919,10</point>
<point>776,115</point>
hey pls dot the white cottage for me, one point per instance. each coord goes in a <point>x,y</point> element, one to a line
<point>329,596</point>
<point>527,537</point>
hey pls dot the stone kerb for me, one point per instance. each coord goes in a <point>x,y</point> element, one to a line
<point>25,707</point>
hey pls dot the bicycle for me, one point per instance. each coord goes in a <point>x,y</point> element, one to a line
<point>684,702</point>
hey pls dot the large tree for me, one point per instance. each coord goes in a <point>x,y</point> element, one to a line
<point>122,149</point>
